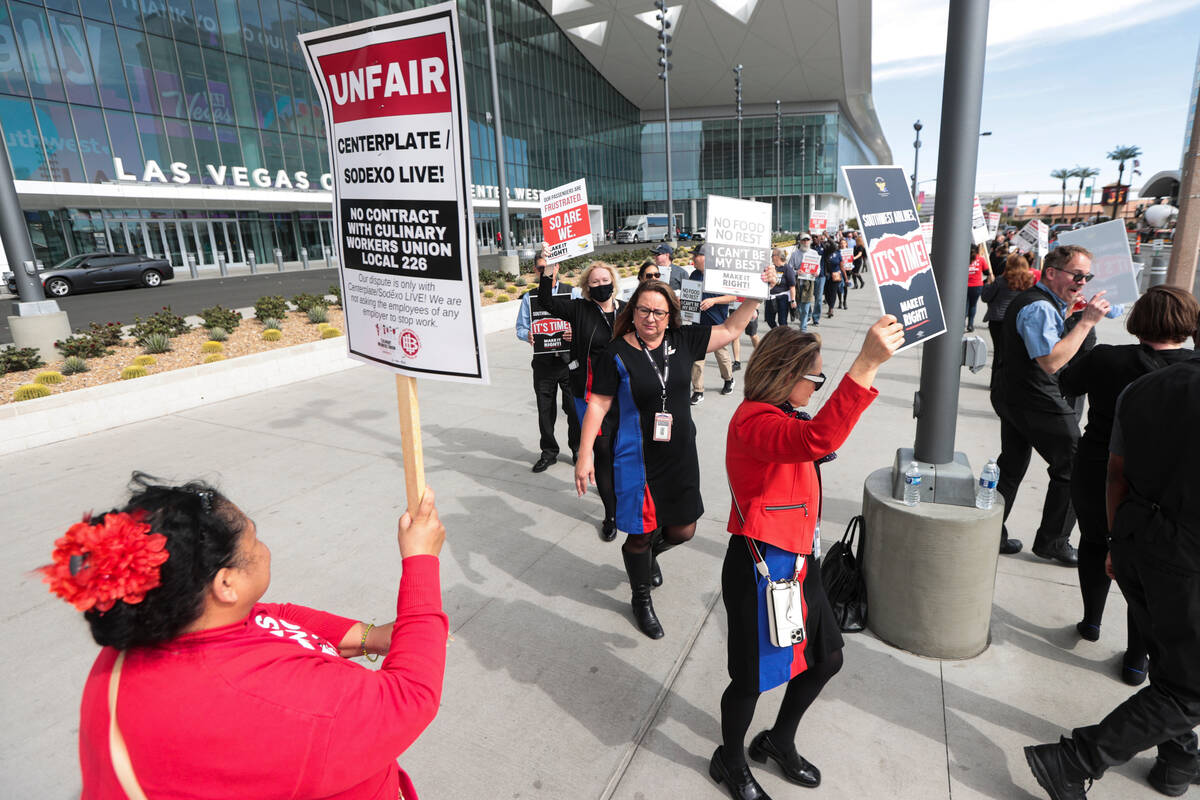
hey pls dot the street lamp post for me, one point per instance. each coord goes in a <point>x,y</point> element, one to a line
<point>778,166</point>
<point>737,85</point>
<point>916,155</point>
<point>664,63</point>
<point>508,261</point>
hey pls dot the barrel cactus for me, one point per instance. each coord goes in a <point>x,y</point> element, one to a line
<point>48,377</point>
<point>212,347</point>
<point>30,391</point>
<point>133,371</point>
<point>211,357</point>
<point>145,361</point>
<point>330,333</point>
<point>272,335</point>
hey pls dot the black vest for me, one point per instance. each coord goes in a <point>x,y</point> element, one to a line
<point>1018,380</point>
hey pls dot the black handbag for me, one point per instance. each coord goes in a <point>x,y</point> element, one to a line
<point>842,576</point>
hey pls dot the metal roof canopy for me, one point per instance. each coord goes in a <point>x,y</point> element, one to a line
<point>811,54</point>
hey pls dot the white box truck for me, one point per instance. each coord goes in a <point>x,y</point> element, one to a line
<point>644,228</point>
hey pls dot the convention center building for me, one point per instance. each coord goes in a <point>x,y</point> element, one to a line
<point>190,129</point>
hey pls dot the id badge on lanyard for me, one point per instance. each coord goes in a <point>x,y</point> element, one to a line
<point>663,420</point>
<point>662,426</point>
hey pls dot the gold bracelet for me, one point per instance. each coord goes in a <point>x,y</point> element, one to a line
<point>369,657</point>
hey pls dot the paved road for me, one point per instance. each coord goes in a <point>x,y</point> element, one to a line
<point>185,297</point>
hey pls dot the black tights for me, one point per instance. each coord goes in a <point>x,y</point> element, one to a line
<point>737,709</point>
<point>603,461</point>
<point>1094,584</point>
<point>673,534</point>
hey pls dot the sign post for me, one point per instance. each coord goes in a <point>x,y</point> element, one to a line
<point>394,103</point>
<point>896,251</point>
<point>566,226</point>
<point>738,244</point>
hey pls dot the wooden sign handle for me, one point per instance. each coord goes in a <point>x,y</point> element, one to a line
<point>410,437</point>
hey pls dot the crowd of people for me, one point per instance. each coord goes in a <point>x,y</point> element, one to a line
<point>171,583</point>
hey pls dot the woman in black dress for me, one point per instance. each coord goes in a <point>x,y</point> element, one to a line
<point>591,317</point>
<point>1162,319</point>
<point>647,371</point>
<point>860,261</point>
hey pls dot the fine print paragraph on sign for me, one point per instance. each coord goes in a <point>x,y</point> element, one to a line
<point>393,97</point>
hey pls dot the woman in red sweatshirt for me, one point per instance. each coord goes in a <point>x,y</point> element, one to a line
<point>771,455</point>
<point>202,691</point>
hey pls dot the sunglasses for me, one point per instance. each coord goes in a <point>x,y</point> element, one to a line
<point>1078,277</point>
<point>652,275</point>
<point>818,380</point>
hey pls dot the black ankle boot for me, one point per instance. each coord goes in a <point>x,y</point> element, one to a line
<point>658,546</point>
<point>637,565</point>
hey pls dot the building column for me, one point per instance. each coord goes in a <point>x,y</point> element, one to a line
<point>695,222</point>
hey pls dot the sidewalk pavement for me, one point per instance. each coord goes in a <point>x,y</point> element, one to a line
<point>550,691</point>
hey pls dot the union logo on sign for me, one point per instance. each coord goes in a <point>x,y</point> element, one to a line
<point>410,343</point>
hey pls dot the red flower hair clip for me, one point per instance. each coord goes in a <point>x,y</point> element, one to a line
<point>116,559</point>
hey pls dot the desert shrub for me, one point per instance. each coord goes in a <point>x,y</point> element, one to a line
<point>133,371</point>
<point>272,322</point>
<point>272,306</point>
<point>502,298</point>
<point>109,333</point>
<point>218,317</point>
<point>212,347</point>
<point>83,345</point>
<point>519,281</point>
<point>217,334</point>
<point>48,377</point>
<point>212,357</point>
<point>18,359</point>
<point>272,335</point>
<point>330,333</point>
<point>489,293</point>
<point>165,322</point>
<point>317,314</point>
<point>30,391</point>
<point>73,365</point>
<point>156,343</point>
<point>303,302</point>
<point>145,361</point>
<point>489,276</point>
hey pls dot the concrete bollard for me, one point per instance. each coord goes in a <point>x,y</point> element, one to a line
<point>930,571</point>
<point>304,258</point>
<point>221,266</point>
<point>510,264</point>
<point>191,262</point>
<point>278,259</point>
<point>252,260</point>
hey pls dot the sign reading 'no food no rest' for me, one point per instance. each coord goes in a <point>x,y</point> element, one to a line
<point>394,100</point>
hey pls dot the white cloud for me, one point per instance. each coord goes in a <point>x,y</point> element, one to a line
<point>909,35</point>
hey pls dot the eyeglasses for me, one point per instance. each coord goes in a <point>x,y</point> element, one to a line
<point>1078,277</point>
<point>818,380</point>
<point>652,275</point>
<point>657,313</point>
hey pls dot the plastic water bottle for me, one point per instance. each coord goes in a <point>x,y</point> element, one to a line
<point>985,493</point>
<point>912,485</point>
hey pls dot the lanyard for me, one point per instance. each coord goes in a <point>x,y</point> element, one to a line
<point>663,376</point>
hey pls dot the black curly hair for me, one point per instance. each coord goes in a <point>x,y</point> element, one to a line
<point>202,528</point>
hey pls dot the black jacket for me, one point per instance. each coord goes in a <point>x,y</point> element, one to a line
<point>591,331</point>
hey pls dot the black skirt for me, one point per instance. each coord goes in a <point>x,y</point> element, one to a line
<point>754,663</point>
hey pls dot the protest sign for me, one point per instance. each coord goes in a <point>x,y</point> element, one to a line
<point>690,295</point>
<point>549,332</point>
<point>847,257</point>
<point>818,221</point>
<point>566,226</point>
<point>810,265</point>
<point>979,228</point>
<point>738,246</point>
<point>393,99</point>
<point>927,235</point>
<point>1112,263</point>
<point>896,251</point>
<point>1034,236</point>
<point>993,222</point>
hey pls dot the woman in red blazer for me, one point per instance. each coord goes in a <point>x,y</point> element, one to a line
<point>771,455</point>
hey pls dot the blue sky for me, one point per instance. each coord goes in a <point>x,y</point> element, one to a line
<point>1066,81</point>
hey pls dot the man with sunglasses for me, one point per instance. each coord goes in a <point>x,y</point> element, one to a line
<point>1033,413</point>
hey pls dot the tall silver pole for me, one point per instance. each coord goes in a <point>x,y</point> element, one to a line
<point>501,178</point>
<point>664,61</point>
<point>737,82</point>
<point>15,235</point>
<point>958,152</point>
<point>778,167</point>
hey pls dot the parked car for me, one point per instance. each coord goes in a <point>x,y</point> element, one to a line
<point>699,234</point>
<point>1058,228</point>
<point>98,271</point>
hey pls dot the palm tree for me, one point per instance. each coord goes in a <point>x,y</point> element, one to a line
<point>1121,154</point>
<point>1062,175</point>
<point>1083,173</point>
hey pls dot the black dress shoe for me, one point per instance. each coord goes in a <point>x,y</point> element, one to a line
<point>1061,551</point>
<point>1088,631</point>
<point>544,463</point>
<point>1010,546</point>
<point>1172,781</point>
<point>739,782</point>
<point>1133,668</point>
<point>608,530</point>
<point>1059,781</point>
<point>795,767</point>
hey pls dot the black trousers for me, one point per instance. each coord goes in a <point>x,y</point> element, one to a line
<point>549,379</point>
<point>1164,596</point>
<point>1054,436</point>
<point>778,306</point>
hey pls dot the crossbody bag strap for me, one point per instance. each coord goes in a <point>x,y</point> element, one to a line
<point>759,562</point>
<point>117,752</point>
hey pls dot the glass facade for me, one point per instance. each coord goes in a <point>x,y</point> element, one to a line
<point>223,82</point>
